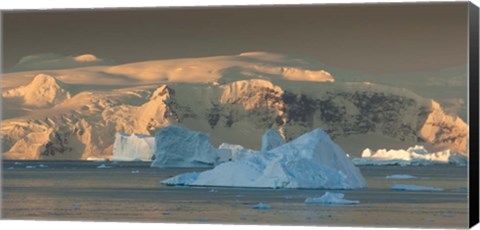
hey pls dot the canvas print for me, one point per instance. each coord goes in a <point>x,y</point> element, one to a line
<point>324,115</point>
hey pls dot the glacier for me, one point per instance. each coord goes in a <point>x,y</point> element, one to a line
<point>176,146</point>
<point>416,155</point>
<point>271,139</point>
<point>312,160</point>
<point>133,147</point>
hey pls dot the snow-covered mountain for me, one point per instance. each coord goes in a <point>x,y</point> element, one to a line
<point>43,91</point>
<point>233,98</point>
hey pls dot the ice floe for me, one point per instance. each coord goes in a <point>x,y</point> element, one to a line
<point>262,206</point>
<point>331,198</point>
<point>411,187</point>
<point>312,160</point>
<point>103,166</point>
<point>401,177</point>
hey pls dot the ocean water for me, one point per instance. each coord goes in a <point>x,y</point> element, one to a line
<point>131,191</point>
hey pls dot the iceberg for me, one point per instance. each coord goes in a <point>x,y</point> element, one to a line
<point>330,198</point>
<point>271,139</point>
<point>133,147</point>
<point>236,151</point>
<point>416,155</point>
<point>312,160</point>
<point>411,187</point>
<point>179,147</point>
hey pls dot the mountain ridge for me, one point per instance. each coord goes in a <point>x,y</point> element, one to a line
<point>230,99</point>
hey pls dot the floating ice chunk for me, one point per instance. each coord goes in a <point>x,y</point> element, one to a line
<point>411,187</point>
<point>30,167</point>
<point>330,198</point>
<point>271,139</point>
<point>179,147</point>
<point>135,171</point>
<point>262,206</point>
<point>416,155</point>
<point>401,177</point>
<point>42,166</point>
<point>17,163</point>
<point>213,190</point>
<point>134,147</point>
<point>312,160</point>
<point>103,166</point>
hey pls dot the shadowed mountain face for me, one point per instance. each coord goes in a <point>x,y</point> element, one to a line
<point>77,116</point>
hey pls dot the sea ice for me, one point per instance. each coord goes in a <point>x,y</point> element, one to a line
<point>271,139</point>
<point>312,160</point>
<point>133,147</point>
<point>411,187</point>
<point>179,147</point>
<point>401,177</point>
<point>330,198</point>
<point>416,155</point>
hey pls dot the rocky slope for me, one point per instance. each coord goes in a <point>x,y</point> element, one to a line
<point>84,126</point>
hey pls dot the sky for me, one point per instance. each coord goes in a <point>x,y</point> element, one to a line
<point>370,38</point>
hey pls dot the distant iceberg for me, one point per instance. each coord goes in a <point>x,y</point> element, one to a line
<point>312,160</point>
<point>179,147</point>
<point>133,147</point>
<point>416,155</point>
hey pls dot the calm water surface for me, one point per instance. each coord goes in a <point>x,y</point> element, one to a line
<point>131,191</point>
